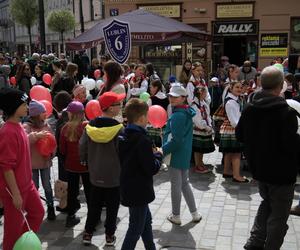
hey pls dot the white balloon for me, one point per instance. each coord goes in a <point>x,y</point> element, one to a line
<point>295,105</point>
<point>84,80</point>
<point>89,84</point>
<point>99,84</point>
<point>284,87</point>
<point>33,80</point>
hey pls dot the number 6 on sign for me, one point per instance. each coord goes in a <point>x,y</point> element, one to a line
<point>117,39</point>
<point>118,43</point>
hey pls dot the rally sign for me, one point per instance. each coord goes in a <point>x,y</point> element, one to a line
<point>117,39</point>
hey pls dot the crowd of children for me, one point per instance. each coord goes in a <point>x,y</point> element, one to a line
<point>116,164</point>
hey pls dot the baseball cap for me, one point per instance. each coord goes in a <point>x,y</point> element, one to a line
<point>177,90</point>
<point>108,98</point>
<point>75,107</point>
<point>214,80</point>
<point>11,99</point>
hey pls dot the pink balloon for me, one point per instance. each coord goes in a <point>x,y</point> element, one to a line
<point>48,106</point>
<point>40,93</point>
<point>157,116</point>
<point>47,79</point>
<point>92,109</point>
<point>97,73</point>
<point>13,81</point>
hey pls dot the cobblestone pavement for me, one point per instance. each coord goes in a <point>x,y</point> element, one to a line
<point>228,212</point>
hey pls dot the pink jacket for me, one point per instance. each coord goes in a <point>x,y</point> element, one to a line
<point>37,160</point>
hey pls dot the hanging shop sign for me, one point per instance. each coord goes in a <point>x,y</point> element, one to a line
<point>163,10</point>
<point>275,44</point>
<point>235,10</point>
<point>232,28</point>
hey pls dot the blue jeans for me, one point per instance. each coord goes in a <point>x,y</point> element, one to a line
<point>45,177</point>
<point>140,221</point>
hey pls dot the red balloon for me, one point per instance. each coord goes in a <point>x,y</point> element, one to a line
<point>47,79</point>
<point>40,93</point>
<point>13,81</point>
<point>92,109</point>
<point>48,107</point>
<point>97,73</point>
<point>157,116</point>
<point>46,145</point>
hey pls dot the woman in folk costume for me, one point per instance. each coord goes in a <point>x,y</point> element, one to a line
<point>138,82</point>
<point>196,80</point>
<point>202,132</point>
<point>228,144</point>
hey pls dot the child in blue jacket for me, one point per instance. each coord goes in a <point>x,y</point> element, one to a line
<point>138,165</point>
<point>177,142</point>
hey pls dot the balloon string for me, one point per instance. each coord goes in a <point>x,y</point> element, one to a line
<point>22,212</point>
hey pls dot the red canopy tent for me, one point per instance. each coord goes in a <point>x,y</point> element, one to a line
<point>146,28</point>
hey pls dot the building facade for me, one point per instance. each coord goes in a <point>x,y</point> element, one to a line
<point>255,30</point>
<point>7,28</point>
<point>53,40</point>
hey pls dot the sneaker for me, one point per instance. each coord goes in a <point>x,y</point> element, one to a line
<point>202,169</point>
<point>72,220</point>
<point>110,240</point>
<point>295,210</point>
<point>196,217</point>
<point>175,219</point>
<point>87,238</point>
<point>50,213</point>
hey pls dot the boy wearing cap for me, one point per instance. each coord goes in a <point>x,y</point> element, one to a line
<point>99,151</point>
<point>15,168</point>
<point>138,165</point>
<point>177,142</point>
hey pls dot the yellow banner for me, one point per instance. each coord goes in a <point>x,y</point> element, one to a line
<point>273,52</point>
<point>163,10</point>
<point>234,10</point>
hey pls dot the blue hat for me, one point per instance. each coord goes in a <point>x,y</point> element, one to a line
<point>36,108</point>
<point>172,78</point>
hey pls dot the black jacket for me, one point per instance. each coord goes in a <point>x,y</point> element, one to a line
<point>268,129</point>
<point>138,165</point>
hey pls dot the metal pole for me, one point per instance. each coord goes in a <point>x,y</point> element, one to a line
<point>42,26</point>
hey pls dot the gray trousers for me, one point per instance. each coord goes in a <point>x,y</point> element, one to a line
<point>270,224</point>
<point>180,183</point>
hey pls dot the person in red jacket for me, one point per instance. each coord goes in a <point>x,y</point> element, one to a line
<point>17,190</point>
<point>69,147</point>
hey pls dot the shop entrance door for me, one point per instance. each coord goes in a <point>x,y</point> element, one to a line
<point>235,47</point>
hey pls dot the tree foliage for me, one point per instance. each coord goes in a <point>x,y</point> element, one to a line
<point>24,12</point>
<point>61,21</point>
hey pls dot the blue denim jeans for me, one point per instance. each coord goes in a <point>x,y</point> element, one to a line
<point>45,177</point>
<point>140,221</point>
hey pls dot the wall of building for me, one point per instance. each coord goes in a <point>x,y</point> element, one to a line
<point>273,16</point>
<point>7,34</point>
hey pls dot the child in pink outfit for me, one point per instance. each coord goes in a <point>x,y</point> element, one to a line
<point>15,168</point>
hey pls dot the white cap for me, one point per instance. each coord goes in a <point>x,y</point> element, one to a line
<point>214,79</point>
<point>177,90</point>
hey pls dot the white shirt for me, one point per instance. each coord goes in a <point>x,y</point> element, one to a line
<point>198,120</point>
<point>190,90</point>
<point>232,108</point>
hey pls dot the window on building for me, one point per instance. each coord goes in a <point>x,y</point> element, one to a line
<point>295,35</point>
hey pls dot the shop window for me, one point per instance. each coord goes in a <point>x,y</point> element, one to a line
<point>295,35</point>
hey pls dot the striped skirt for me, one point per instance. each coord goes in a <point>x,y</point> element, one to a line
<point>229,144</point>
<point>203,144</point>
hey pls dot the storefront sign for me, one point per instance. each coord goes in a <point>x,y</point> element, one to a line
<point>235,28</point>
<point>139,1</point>
<point>117,39</point>
<point>236,10</point>
<point>189,51</point>
<point>163,10</point>
<point>274,44</point>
